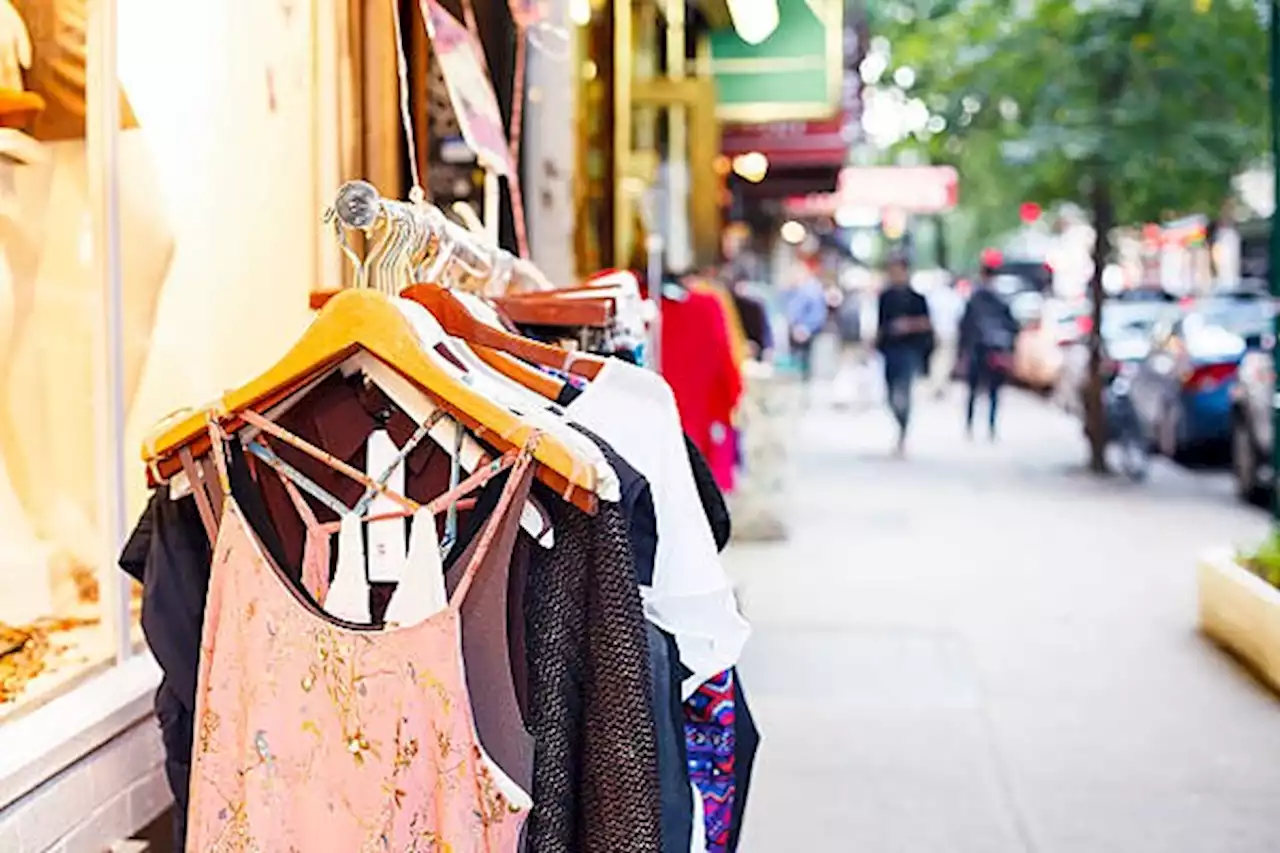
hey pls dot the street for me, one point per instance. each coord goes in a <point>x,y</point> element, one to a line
<point>982,648</point>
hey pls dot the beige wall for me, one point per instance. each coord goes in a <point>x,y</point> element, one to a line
<point>230,114</point>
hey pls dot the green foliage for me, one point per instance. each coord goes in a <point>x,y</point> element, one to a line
<point>1163,100</point>
<point>1265,562</point>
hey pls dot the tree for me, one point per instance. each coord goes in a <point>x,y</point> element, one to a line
<point>1136,110</point>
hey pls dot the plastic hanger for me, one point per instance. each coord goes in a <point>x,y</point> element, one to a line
<point>512,394</point>
<point>364,319</point>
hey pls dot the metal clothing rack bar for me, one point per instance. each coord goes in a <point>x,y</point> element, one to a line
<point>435,248</point>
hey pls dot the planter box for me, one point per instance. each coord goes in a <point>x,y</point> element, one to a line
<point>1241,612</point>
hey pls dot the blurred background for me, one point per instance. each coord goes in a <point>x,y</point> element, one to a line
<point>1059,635</point>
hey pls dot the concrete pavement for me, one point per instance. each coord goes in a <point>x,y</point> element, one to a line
<point>982,649</point>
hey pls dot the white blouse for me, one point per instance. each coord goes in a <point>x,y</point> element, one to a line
<point>691,598</point>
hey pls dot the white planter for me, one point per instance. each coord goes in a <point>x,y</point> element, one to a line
<point>767,416</point>
<point>1241,611</point>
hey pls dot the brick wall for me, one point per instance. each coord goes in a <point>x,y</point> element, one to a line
<point>106,797</point>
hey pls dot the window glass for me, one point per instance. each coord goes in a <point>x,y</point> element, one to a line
<point>52,391</point>
<point>219,229</point>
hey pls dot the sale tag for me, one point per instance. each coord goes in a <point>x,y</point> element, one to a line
<point>387,548</point>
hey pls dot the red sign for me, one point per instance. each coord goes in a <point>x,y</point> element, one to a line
<point>470,91</point>
<point>790,144</point>
<point>913,189</point>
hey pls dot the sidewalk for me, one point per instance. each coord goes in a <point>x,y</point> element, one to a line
<point>981,648</point>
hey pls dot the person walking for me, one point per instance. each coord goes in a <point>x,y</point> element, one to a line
<point>987,334</point>
<point>904,336</point>
<point>945,309</point>
<point>805,304</point>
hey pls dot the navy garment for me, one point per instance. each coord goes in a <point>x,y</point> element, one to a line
<point>712,499</point>
<point>746,742</point>
<point>982,374</point>
<point>636,503</point>
<point>673,756</point>
<point>168,553</point>
<point>898,304</point>
<point>901,366</point>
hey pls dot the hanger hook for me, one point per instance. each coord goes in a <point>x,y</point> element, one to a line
<point>332,219</point>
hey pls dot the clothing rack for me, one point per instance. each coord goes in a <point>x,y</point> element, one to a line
<point>438,249</point>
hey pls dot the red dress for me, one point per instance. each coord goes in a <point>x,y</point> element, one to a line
<point>697,362</point>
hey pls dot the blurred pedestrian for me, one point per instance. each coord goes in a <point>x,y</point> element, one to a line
<point>805,304</point>
<point>755,316</point>
<point>945,310</point>
<point>987,334</point>
<point>904,336</point>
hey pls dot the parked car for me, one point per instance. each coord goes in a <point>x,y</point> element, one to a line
<point>1181,390</point>
<point>1252,438</point>
<point>1126,339</point>
<point>1144,293</point>
<point>1038,350</point>
<point>1013,276</point>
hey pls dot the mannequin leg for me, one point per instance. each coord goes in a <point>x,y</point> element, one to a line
<point>49,436</point>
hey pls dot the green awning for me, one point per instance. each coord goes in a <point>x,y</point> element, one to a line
<point>794,75</point>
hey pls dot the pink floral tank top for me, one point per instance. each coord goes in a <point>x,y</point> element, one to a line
<point>316,735</point>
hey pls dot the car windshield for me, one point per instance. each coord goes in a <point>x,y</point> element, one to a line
<point>1131,318</point>
<point>1008,285</point>
<point>1242,316</point>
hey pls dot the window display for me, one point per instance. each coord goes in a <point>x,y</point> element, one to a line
<point>210,284</point>
<point>50,318</point>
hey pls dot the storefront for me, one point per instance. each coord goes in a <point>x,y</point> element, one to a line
<point>160,238</point>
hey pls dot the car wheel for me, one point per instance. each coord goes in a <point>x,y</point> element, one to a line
<point>1135,456</point>
<point>1245,463</point>
<point>1167,436</point>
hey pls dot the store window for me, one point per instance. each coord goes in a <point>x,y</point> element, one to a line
<point>217,231</point>
<point>51,377</point>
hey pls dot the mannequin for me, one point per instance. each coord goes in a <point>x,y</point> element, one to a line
<point>50,361</point>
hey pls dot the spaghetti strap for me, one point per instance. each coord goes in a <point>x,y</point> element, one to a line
<point>304,509</point>
<point>217,443</point>
<point>199,492</point>
<point>521,471</point>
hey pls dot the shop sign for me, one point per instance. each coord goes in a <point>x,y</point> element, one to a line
<point>470,90</point>
<point>790,144</point>
<point>799,144</point>
<point>796,74</point>
<point>913,189</point>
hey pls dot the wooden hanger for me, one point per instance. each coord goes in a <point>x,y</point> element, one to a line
<point>446,307</point>
<point>461,323</point>
<point>362,319</point>
<point>542,309</point>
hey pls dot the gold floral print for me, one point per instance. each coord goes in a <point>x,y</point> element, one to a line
<point>236,835</point>
<point>328,740</point>
<point>492,807</point>
<point>208,730</point>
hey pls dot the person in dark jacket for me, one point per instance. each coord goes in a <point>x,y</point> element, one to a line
<point>904,336</point>
<point>987,334</point>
